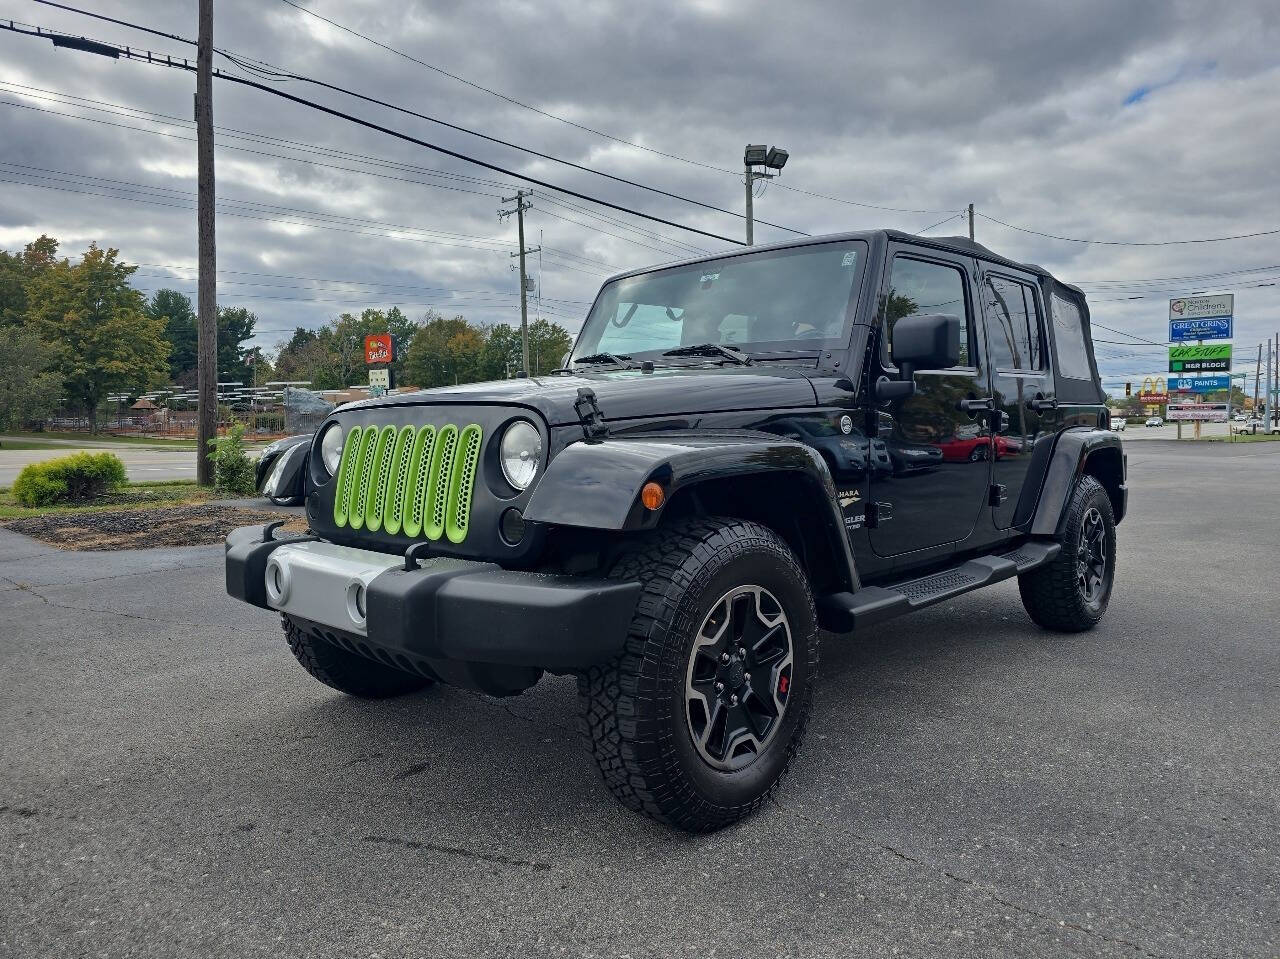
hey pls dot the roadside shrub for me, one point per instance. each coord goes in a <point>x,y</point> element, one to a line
<point>232,467</point>
<point>78,477</point>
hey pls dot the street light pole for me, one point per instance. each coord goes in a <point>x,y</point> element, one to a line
<point>757,154</point>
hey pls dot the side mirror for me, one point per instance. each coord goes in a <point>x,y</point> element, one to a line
<point>925,341</point>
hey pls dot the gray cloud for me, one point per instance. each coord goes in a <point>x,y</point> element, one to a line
<point>1020,109</point>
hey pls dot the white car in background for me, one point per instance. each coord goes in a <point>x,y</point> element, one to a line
<point>1154,421</point>
<point>1118,424</point>
<point>1239,418</point>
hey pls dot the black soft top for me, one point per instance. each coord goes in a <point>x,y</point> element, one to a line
<point>954,244</point>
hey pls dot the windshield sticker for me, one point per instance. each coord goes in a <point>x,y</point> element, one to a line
<point>849,259</point>
<point>708,278</point>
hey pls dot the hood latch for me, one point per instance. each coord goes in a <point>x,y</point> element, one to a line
<point>594,428</point>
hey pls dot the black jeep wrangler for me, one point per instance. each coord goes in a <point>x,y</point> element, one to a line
<point>740,450</point>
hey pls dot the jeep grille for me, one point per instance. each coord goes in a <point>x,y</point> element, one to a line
<point>409,482</point>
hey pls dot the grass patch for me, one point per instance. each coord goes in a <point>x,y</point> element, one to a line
<point>1241,438</point>
<point>135,496</point>
<point>39,441</point>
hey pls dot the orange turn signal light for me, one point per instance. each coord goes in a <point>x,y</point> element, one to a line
<point>652,495</point>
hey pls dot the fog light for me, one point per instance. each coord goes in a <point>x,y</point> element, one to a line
<point>512,527</point>
<point>356,602</point>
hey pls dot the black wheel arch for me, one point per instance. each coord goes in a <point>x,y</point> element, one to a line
<point>1081,452</point>
<point>776,482</point>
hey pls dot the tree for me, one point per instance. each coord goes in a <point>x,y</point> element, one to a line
<point>235,326</point>
<point>16,272</point>
<point>180,330</point>
<point>29,389</point>
<point>96,329</point>
<point>445,353</point>
<point>502,353</point>
<point>548,343</point>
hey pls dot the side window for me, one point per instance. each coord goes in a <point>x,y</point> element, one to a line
<point>1068,339</point>
<point>1013,325</point>
<point>916,286</point>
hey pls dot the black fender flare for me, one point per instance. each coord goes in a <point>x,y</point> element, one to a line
<point>597,485</point>
<point>1078,451</point>
<point>292,463</point>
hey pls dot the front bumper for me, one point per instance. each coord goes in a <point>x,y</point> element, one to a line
<point>444,610</point>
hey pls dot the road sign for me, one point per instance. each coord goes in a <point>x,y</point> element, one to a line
<point>378,348</point>
<point>380,379</point>
<point>1210,328</point>
<point>1204,412</point>
<point>1221,305</point>
<point>1198,384</point>
<point>1215,358</point>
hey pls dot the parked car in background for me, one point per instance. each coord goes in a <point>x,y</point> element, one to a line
<point>1155,421</point>
<point>1239,418</point>
<point>1256,425</point>
<point>281,470</point>
<point>1118,423</point>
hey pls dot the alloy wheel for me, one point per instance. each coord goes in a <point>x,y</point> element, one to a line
<point>739,677</point>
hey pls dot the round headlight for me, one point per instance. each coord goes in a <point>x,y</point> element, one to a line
<point>331,448</point>
<point>520,452</point>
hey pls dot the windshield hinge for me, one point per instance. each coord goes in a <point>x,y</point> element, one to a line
<point>594,428</point>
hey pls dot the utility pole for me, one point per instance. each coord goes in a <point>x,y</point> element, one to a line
<point>970,221</point>
<point>751,182</point>
<point>207,292</point>
<point>521,206</point>
<point>1257,378</point>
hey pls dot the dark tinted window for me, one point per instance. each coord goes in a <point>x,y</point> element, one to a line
<point>1013,325</point>
<point>916,286</point>
<point>1068,338</point>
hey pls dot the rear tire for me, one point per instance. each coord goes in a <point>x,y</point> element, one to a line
<point>1070,594</point>
<point>346,671</point>
<point>682,730</point>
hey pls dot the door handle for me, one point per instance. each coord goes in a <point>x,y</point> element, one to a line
<point>1039,404</point>
<point>985,405</point>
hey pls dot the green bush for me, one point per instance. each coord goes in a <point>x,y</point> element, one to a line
<point>232,467</point>
<point>78,477</point>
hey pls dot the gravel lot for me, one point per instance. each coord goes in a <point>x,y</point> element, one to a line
<point>173,784</point>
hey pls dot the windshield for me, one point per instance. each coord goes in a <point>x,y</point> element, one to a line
<point>797,299</point>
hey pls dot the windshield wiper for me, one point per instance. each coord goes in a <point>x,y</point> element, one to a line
<point>622,361</point>
<point>711,349</point>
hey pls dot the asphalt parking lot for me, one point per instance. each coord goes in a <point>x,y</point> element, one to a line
<point>173,784</point>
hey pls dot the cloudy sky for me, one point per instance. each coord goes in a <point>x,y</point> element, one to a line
<point>1135,123</point>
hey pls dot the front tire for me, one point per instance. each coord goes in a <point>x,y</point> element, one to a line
<point>697,721</point>
<point>346,671</point>
<point>1070,594</point>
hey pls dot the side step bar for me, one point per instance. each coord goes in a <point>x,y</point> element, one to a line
<point>845,612</point>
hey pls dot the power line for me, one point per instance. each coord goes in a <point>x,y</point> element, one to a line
<point>276,73</point>
<point>1072,239</point>
<point>587,129</point>
<point>147,56</point>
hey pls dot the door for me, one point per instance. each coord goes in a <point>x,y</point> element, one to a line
<point>938,440</point>
<point>1022,384</point>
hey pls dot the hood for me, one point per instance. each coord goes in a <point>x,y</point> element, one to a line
<point>628,394</point>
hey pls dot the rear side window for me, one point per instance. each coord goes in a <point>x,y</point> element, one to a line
<point>1014,334</point>
<point>917,286</point>
<point>1068,339</point>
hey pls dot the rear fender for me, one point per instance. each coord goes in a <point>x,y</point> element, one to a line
<point>597,485</point>
<point>1080,452</point>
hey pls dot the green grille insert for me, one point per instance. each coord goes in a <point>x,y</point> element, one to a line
<point>364,476</point>
<point>393,512</point>
<point>441,468</point>
<point>419,480</point>
<point>461,482</point>
<point>346,476</point>
<point>409,482</point>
